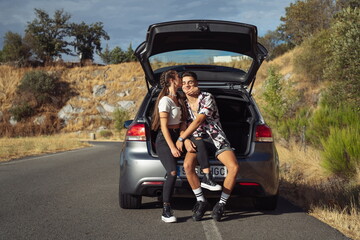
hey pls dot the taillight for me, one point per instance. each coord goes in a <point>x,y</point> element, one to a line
<point>263,133</point>
<point>248,184</point>
<point>136,133</point>
<point>153,183</point>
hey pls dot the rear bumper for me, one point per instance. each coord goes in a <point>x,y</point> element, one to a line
<point>141,174</point>
<point>182,189</point>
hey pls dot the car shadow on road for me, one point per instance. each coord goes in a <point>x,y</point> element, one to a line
<point>236,208</point>
<point>243,208</point>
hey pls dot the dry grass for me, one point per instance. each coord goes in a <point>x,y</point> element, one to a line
<point>9,80</point>
<point>306,184</point>
<point>118,78</point>
<point>303,181</point>
<point>284,63</point>
<point>97,135</point>
<point>340,219</point>
<point>12,148</point>
<point>310,90</point>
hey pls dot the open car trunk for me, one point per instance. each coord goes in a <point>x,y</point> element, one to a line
<point>236,115</point>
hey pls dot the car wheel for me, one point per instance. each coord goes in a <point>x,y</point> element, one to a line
<point>266,203</point>
<point>128,201</point>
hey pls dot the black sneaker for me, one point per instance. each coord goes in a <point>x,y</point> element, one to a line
<point>199,210</point>
<point>167,215</point>
<point>218,211</point>
<point>208,183</point>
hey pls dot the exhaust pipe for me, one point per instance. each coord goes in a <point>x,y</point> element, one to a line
<point>158,193</point>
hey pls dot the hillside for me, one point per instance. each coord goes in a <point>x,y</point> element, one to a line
<point>310,91</point>
<point>96,91</point>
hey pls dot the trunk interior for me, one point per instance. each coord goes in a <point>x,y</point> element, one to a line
<point>237,119</point>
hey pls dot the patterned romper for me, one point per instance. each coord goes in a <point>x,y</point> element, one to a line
<point>210,130</point>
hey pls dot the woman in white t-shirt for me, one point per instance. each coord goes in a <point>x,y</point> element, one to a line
<point>169,116</point>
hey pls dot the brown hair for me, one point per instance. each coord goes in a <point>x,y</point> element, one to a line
<point>165,84</point>
<point>189,74</point>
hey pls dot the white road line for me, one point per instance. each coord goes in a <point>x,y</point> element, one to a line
<point>211,230</point>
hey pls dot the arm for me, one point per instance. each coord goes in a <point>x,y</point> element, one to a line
<point>193,126</point>
<point>180,145</point>
<point>207,109</point>
<point>163,125</point>
<point>189,145</point>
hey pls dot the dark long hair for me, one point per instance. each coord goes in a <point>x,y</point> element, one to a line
<point>165,84</point>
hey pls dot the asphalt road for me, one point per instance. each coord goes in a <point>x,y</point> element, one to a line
<point>74,195</point>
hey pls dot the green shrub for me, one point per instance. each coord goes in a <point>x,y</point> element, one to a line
<point>341,154</point>
<point>280,97</point>
<point>106,133</point>
<point>272,94</point>
<point>39,83</point>
<point>21,111</point>
<point>308,61</point>
<point>342,65</point>
<point>327,117</point>
<point>295,126</point>
<point>120,116</point>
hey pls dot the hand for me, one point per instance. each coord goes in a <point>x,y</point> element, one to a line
<point>194,91</point>
<point>180,145</point>
<point>175,152</point>
<point>190,146</point>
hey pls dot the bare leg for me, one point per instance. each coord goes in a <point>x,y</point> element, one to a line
<point>228,158</point>
<point>206,170</point>
<point>189,166</point>
<point>201,204</point>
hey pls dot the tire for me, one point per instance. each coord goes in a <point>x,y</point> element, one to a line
<point>128,201</point>
<point>266,203</point>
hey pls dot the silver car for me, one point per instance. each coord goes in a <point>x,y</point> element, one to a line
<point>225,56</point>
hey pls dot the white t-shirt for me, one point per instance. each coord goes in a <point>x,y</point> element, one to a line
<point>166,104</point>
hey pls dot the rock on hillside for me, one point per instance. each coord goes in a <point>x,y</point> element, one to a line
<point>99,91</point>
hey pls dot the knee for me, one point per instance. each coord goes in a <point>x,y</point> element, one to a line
<point>233,168</point>
<point>187,167</point>
<point>171,176</point>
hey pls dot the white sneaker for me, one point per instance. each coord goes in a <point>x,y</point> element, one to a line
<point>167,215</point>
<point>208,183</point>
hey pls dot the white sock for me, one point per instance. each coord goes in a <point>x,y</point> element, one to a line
<point>199,194</point>
<point>224,197</point>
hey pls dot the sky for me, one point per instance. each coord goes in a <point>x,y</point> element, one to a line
<point>126,21</point>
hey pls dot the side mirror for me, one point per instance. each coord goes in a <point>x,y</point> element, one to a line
<point>127,123</point>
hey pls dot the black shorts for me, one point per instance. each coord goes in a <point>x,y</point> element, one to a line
<point>211,148</point>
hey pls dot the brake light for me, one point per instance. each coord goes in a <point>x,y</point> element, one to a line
<point>152,183</point>
<point>136,133</point>
<point>248,184</point>
<point>263,133</point>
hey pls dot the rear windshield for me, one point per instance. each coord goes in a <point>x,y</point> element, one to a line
<point>201,57</point>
